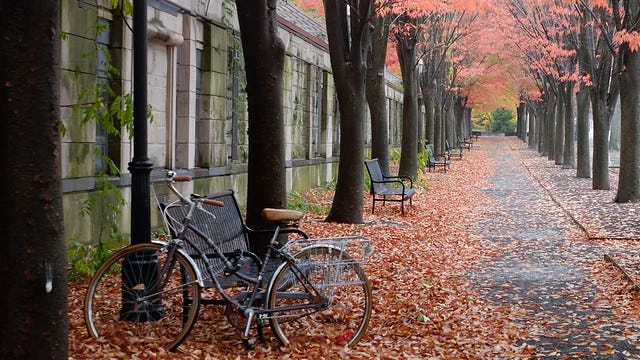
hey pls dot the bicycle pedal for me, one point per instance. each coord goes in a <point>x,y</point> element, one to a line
<point>249,343</point>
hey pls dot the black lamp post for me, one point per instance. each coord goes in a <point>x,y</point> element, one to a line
<point>140,166</point>
<point>141,268</point>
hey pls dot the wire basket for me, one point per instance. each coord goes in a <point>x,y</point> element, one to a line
<point>331,262</point>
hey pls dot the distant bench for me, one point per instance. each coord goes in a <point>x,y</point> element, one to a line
<point>464,142</point>
<point>388,188</point>
<point>436,160</point>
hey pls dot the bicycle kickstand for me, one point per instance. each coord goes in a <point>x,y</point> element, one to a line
<point>249,343</point>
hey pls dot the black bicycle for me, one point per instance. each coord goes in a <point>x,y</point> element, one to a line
<point>150,293</point>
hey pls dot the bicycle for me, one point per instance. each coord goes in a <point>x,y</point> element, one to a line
<point>150,293</point>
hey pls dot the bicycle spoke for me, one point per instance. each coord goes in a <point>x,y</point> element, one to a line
<point>334,290</point>
<point>127,304</point>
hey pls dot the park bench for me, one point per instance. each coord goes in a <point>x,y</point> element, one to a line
<point>436,160</point>
<point>388,188</point>
<point>225,226</point>
<point>453,151</point>
<point>464,143</point>
<point>476,134</point>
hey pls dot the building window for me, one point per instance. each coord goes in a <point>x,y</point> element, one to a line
<point>104,74</point>
<point>201,142</point>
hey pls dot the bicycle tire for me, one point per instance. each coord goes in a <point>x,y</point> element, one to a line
<point>124,305</point>
<point>343,321</point>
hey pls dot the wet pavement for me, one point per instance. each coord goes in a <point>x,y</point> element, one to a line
<point>552,228</point>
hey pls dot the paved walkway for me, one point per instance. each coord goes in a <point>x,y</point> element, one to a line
<point>552,242</point>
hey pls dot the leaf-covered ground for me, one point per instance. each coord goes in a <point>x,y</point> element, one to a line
<point>502,257</point>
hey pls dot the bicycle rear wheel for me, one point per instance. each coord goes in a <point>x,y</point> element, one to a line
<point>335,294</point>
<point>140,297</point>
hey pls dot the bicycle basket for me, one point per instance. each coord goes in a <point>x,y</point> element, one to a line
<point>331,262</point>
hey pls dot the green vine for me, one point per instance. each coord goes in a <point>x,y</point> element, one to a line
<point>112,110</point>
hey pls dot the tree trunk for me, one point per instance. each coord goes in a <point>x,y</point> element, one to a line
<point>559,130</point>
<point>629,179</point>
<point>583,166</point>
<point>615,130</point>
<point>467,119</point>
<point>406,49</point>
<point>533,134</point>
<point>264,61</point>
<point>569,153</point>
<point>520,121</point>
<point>600,144</point>
<point>604,94</point>
<point>428,118</point>
<point>583,160</point>
<point>550,126</point>
<point>376,98</point>
<point>450,119</point>
<point>33,265</point>
<point>439,125</point>
<point>459,119</point>
<point>438,128</point>
<point>540,127</point>
<point>348,38</point>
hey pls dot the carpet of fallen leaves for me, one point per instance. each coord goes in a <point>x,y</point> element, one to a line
<point>426,303</point>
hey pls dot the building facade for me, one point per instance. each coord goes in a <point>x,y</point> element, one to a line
<point>197,104</point>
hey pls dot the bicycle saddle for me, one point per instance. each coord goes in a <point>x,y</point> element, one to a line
<point>276,215</point>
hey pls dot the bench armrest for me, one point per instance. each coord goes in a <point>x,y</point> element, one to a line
<point>400,178</point>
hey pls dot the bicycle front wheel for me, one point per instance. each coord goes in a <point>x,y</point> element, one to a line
<point>324,294</point>
<point>143,296</point>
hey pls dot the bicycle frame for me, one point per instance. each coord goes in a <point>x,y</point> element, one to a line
<point>255,283</point>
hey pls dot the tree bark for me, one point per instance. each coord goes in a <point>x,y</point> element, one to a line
<point>569,153</point>
<point>583,160</point>
<point>583,152</point>
<point>263,52</point>
<point>533,134</point>
<point>33,266</point>
<point>439,112</point>
<point>520,120</point>
<point>602,63</point>
<point>559,130</point>
<point>600,144</point>
<point>540,127</point>
<point>629,179</point>
<point>459,119</point>
<point>615,130</point>
<point>375,89</point>
<point>550,124</point>
<point>406,49</point>
<point>428,117</point>
<point>348,35</point>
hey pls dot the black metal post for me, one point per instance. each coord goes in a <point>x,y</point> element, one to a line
<point>140,166</point>
<point>140,269</point>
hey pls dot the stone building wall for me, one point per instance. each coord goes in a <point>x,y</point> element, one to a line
<point>196,99</point>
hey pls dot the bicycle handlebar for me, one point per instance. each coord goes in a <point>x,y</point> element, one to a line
<point>172,177</point>
<point>213,202</point>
